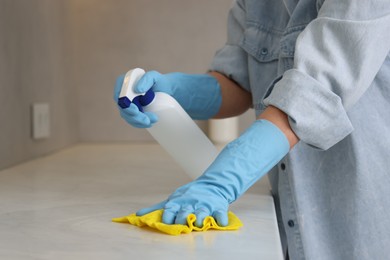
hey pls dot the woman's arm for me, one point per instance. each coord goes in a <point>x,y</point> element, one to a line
<point>336,59</point>
<point>280,119</point>
<point>235,101</point>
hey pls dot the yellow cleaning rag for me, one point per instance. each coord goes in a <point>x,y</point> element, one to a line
<point>153,220</point>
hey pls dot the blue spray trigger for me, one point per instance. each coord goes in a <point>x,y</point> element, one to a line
<point>137,101</point>
<point>140,101</point>
<point>147,98</point>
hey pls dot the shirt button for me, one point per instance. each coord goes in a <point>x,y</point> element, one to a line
<point>283,166</point>
<point>264,51</point>
<point>291,223</point>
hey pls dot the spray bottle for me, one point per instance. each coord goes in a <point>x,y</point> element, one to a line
<point>175,131</point>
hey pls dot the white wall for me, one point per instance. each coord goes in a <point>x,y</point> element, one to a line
<point>111,37</point>
<point>68,53</point>
<point>34,67</point>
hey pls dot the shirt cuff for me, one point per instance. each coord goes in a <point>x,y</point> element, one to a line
<point>316,114</point>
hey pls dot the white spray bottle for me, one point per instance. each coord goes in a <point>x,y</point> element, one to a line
<point>175,131</point>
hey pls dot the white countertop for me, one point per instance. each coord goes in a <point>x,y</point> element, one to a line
<point>60,207</point>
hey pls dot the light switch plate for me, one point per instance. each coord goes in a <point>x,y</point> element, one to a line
<point>40,120</point>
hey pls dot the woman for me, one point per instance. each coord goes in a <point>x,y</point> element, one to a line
<point>317,74</point>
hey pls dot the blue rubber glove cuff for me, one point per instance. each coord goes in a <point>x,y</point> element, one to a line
<point>240,164</point>
<point>252,155</point>
<point>199,95</point>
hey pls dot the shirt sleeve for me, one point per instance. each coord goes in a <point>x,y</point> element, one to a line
<point>336,59</point>
<point>231,59</point>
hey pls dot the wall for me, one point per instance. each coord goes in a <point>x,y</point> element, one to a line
<point>112,37</point>
<point>69,52</point>
<point>34,67</point>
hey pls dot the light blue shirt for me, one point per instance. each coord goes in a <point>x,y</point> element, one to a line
<point>326,64</point>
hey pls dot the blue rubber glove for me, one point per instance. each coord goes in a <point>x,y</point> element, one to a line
<point>199,95</point>
<point>240,164</point>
